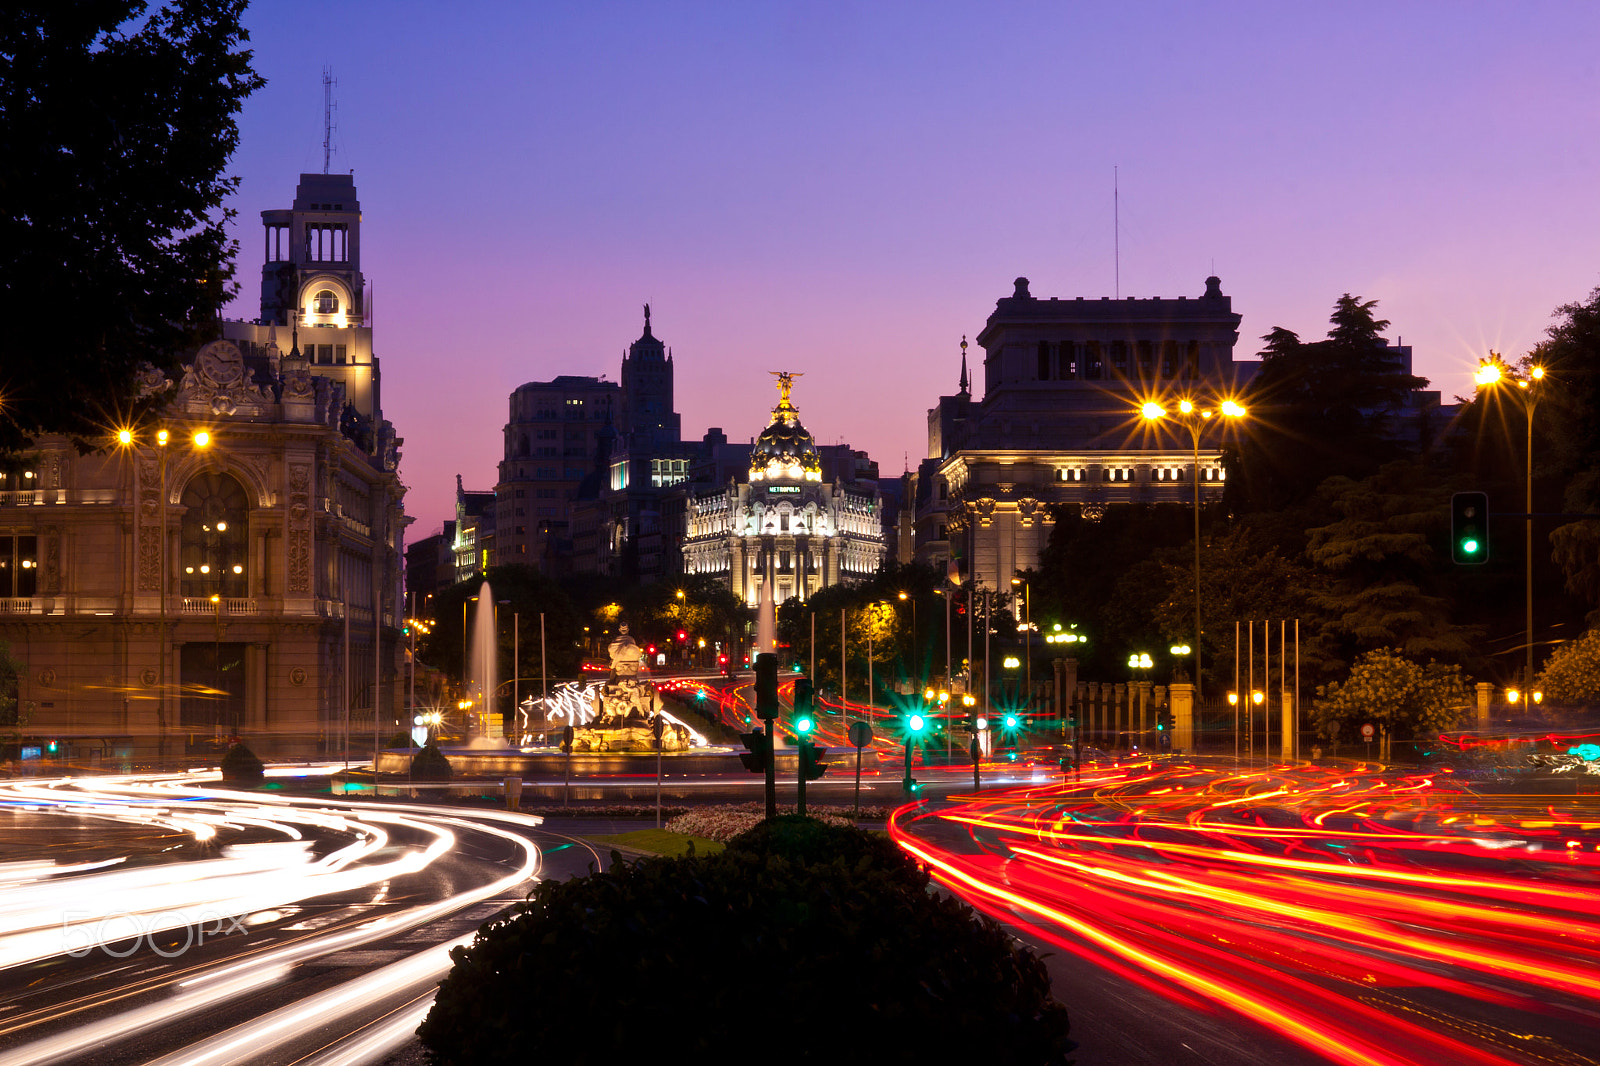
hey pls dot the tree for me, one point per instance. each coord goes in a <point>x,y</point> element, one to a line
<point>1320,409</point>
<point>1381,564</point>
<point>1572,675</point>
<point>1397,695</point>
<point>117,126</point>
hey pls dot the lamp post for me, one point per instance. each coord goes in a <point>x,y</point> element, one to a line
<point>199,440</point>
<point>913,599</point>
<point>1027,628</point>
<point>1490,373</point>
<point>1194,418</point>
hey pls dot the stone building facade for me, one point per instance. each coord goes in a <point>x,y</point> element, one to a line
<point>1059,422</point>
<point>242,578</point>
<point>784,522</point>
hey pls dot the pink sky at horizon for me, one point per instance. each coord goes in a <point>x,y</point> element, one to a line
<point>845,189</point>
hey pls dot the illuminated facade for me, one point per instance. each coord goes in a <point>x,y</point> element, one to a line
<point>1059,422</point>
<point>243,583</point>
<point>785,522</point>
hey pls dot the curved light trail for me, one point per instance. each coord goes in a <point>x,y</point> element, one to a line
<point>1371,918</point>
<point>253,860</point>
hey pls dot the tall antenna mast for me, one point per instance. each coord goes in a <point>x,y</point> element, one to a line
<point>327,117</point>
<point>1116,226</point>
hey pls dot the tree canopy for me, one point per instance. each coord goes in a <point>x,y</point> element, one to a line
<point>1320,408</point>
<point>117,124</point>
<point>1398,696</point>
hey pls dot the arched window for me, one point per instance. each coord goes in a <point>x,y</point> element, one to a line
<point>215,537</point>
<point>326,302</point>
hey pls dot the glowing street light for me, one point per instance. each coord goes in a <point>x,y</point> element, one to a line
<point>1491,372</point>
<point>1194,418</point>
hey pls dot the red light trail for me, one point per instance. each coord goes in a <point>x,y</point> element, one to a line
<point>1371,918</point>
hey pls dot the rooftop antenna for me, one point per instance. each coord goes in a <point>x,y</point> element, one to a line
<point>328,83</point>
<point>1116,228</point>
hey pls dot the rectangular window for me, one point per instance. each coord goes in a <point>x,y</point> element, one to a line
<point>519,494</point>
<point>325,353</point>
<point>1119,358</point>
<point>19,566</point>
<point>338,353</point>
<point>1093,361</point>
<point>1169,359</point>
<point>1147,358</point>
<point>1069,362</point>
<point>1191,362</point>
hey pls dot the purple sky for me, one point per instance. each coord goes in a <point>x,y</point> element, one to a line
<point>845,189</point>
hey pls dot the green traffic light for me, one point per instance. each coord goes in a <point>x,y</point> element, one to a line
<point>804,724</point>
<point>1011,721</point>
<point>916,723</point>
<point>1469,546</point>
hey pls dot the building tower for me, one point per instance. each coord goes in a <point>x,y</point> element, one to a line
<point>648,419</point>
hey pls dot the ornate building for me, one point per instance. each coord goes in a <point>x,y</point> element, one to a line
<point>239,573</point>
<point>1059,422</point>
<point>785,523</point>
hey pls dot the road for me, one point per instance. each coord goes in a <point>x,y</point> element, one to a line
<point>1290,915</point>
<point>168,920</point>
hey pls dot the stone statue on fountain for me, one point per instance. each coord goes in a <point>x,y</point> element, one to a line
<point>627,708</point>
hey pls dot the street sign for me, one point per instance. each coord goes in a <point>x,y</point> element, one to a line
<point>860,734</point>
<point>1368,730</point>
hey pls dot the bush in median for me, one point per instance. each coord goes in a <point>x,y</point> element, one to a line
<point>241,767</point>
<point>799,943</point>
<point>429,764</point>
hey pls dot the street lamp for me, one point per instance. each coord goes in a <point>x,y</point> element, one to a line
<point>128,439</point>
<point>1027,607</point>
<point>903,598</point>
<point>1491,372</point>
<point>1194,418</point>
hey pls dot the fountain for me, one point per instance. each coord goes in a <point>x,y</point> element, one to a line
<point>766,620</point>
<point>480,670</point>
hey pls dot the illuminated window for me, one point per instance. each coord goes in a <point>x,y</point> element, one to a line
<point>214,537</point>
<point>19,565</point>
<point>326,302</point>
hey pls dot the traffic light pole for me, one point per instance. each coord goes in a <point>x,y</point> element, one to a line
<point>772,769</point>
<point>766,665</point>
<point>801,746</point>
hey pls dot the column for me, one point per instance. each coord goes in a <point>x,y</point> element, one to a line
<point>1182,696</point>
<point>1485,696</point>
<point>1290,727</point>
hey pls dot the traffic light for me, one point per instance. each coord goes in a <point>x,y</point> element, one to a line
<point>1469,528</point>
<point>916,725</point>
<point>766,685</point>
<point>812,765</point>
<point>1011,723</point>
<point>755,760</point>
<point>805,703</point>
<point>682,636</point>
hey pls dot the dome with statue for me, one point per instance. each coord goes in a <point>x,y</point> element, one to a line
<point>785,450</point>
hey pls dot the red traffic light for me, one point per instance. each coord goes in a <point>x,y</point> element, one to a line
<point>651,649</point>
<point>682,635</point>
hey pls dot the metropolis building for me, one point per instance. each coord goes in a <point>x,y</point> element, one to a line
<point>1058,423</point>
<point>241,577</point>
<point>786,522</point>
